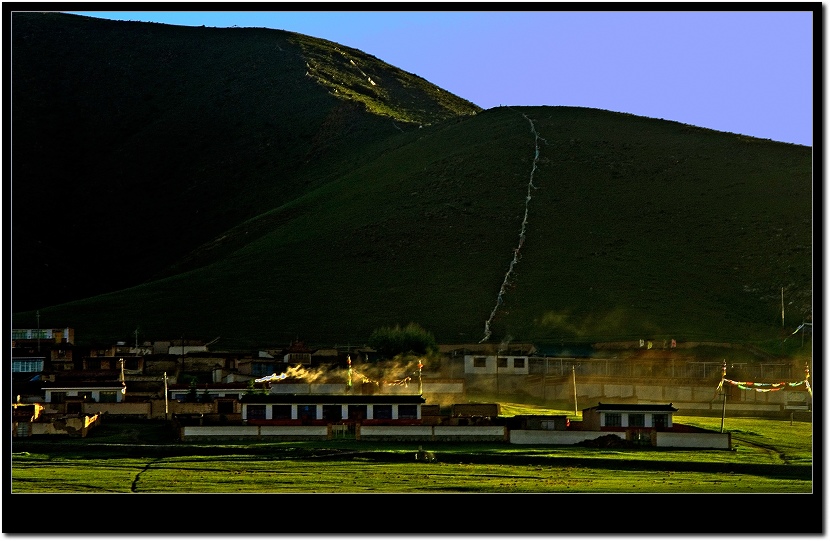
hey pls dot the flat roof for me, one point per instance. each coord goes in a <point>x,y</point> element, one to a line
<point>286,398</point>
<point>82,386</point>
<point>633,407</point>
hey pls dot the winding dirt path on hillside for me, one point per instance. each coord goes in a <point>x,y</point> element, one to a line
<point>516,251</point>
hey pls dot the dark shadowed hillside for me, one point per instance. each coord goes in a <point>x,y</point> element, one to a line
<point>256,185</point>
<point>137,142</point>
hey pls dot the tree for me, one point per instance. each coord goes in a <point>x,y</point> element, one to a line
<point>192,394</point>
<point>254,390</point>
<point>412,339</point>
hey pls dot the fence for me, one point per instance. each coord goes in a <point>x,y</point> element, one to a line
<point>673,369</point>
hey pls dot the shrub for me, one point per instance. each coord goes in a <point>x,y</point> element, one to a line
<point>412,339</point>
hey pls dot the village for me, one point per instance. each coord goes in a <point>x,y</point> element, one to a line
<point>304,392</point>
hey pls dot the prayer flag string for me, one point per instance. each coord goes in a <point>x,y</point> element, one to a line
<point>764,387</point>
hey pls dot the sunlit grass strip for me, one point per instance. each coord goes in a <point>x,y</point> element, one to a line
<point>41,474</point>
<point>225,475</point>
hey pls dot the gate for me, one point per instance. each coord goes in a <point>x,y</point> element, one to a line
<point>344,431</point>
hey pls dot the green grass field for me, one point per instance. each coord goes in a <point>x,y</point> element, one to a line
<point>769,456</point>
<point>354,473</point>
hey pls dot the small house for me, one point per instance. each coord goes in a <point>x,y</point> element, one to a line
<point>317,409</point>
<point>620,417</point>
<point>297,354</point>
<point>71,395</point>
<point>506,364</point>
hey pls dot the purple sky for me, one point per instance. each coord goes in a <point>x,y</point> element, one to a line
<point>747,72</point>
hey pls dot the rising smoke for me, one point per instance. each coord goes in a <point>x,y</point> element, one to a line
<point>402,371</point>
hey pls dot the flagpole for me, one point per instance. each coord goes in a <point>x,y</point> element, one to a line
<point>420,381</point>
<point>723,393</point>
<point>123,382</point>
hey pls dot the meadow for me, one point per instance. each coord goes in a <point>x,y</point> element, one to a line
<point>768,456</point>
<point>355,473</point>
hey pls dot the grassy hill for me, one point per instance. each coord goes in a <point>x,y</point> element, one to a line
<point>136,142</point>
<point>272,207</point>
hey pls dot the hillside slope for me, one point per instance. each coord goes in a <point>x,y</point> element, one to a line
<point>635,228</point>
<point>542,224</point>
<point>136,142</point>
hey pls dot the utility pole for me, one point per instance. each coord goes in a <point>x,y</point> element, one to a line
<point>782,319</point>
<point>804,324</point>
<point>165,396</point>
<point>782,307</point>
<point>497,374</point>
<point>573,371</point>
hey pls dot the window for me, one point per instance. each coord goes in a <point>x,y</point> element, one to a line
<point>407,411</point>
<point>262,369</point>
<point>299,358</point>
<point>224,406</point>
<point>613,419</point>
<point>307,411</point>
<point>383,411</point>
<point>636,419</point>
<point>93,364</point>
<point>357,412</point>
<point>332,412</point>
<point>58,398</point>
<point>281,411</point>
<point>519,362</point>
<point>479,362</point>
<point>108,396</point>
<point>660,420</point>
<point>131,363</point>
<point>501,362</point>
<point>256,411</point>
<point>27,365</point>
